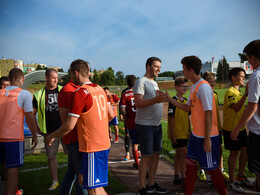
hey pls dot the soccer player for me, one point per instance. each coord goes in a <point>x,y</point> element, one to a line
<point>91,111</point>
<point>232,111</point>
<point>203,143</point>
<point>15,103</point>
<point>128,110</point>
<point>179,130</point>
<point>250,114</point>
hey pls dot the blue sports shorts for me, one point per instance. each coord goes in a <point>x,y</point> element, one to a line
<point>114,121</point>
<point>12,153</point>
<point>133,136</point>
<point>207,160</point>
<point>94,168</point>
<point>150,139</point>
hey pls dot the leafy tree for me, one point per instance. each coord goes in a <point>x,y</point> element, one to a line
<point>39,67</point>
<point>167,74</point>
<point>242,57</point>
<point>60,70</point>
<point>96,77</point>
<point>222,70</point>
<point>107,78</point>
<point>120,80</point>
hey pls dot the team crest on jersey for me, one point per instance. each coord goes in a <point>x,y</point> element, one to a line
<point>86,91</point>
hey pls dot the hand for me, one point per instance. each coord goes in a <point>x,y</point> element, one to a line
<point>167,96</point>
<point>48,139</point>
<point>207,145</point>
<point>34,141</point>
<point>234,135</point>
<point>160,96</point>
<point>173,140</point>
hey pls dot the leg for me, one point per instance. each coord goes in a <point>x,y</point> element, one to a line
<point>143,168</point>
<point>97,191</point>
<point>53,166</point>
<point>153,164</point>
<point>183,154</point>
<point>232,162</point>
<point>116,132</point>
<point>218,181</point>
<point>258,181</point>
<point>242,161</point>
<point>12,176</point>
<point>177,162</point>
<point>190,176</point>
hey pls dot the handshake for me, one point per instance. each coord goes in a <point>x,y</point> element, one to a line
<point>161,96</point>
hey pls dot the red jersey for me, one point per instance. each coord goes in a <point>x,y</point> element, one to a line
<point>127,101</point>
<point>65,99</point>
<point>90,105</point>
<point>114,99</point>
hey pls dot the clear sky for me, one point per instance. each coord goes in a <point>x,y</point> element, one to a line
<point>122,34</point>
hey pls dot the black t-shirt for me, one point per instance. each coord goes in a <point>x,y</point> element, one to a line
<point>53,121</point>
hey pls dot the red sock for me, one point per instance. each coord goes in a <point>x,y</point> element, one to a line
<point>136,156</point>
<point>190,176</point>
<point>218,181</point>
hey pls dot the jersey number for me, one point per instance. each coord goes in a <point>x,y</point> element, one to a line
<point>101,106</point>
<point>132,104</point>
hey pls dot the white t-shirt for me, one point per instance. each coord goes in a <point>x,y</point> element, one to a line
<point>150,115</point>
<point>24,99</point>
<point>253,97</point>
<point>204,94</point>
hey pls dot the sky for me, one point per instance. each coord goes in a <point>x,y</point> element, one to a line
<point>122,34</point>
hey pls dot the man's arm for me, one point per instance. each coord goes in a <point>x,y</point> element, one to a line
<point>140,102</point>
<point>208,127</point>
<point>65,128</point>
<point>33,127</point>
<point>246,116</point>
<point>182,106</point>
<point>237,106</point>
<point>123,112</point>
<point>110,112</point>
<point>63,113</point>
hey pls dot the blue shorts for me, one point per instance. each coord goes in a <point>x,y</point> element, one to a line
<point>12,153</point>
<point>94,168</point>
<point>133,136</point>
<point>150,139</point>
<point>114,121</point>
<point>207,160</point>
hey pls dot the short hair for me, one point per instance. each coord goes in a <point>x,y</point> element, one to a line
<point>130,80</point>
<point>253,48</point>
<point>106,88</point>
<point>3,78</point>
<point>15,74</point>
<point>81,66</point>
<point>180,80</point>
<point>208,75</point>
<point>49,71</point>
<point>150,61</point>
<point>235,72</point>
<point>192,62</point>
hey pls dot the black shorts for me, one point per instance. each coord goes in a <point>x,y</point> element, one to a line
<point>253,153</point>
<point>180,143</point>
<point>235,145</point>
<point>220,138</point>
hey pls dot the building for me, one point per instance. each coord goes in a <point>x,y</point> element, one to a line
<point>7,64</point>
<point>213,66</point>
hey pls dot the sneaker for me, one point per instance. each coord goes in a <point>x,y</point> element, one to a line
<point>155,188</point>
<point>176,179</point>
<point>244,180</point>
<point>116,141</point>
<point>141,191</point>
<point>225,175</point>
<point>127,157</point>
<point>235,187</point>
<point>54,185</point>
<point>202,175</point>
<point>19,192</point>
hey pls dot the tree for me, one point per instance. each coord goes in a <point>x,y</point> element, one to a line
<point>107,77</point>
<point>60,70</point>
<point>222,70</point>
<point>242,57</point>
<point>120,80</point>
<point>96,77</point>
<point>167,74</point>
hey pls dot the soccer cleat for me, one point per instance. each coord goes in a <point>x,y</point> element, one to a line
<point>127,157</point>
<point>244,180</point>
<point>116,141</point>
<point>202,175</point>
<point>176,179</point>
<point>54,185</point>
<point>225,175</point>
<point>235,187</point>
<point>142,191</point>
<point>155,188</point>
<point>19,192</point>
